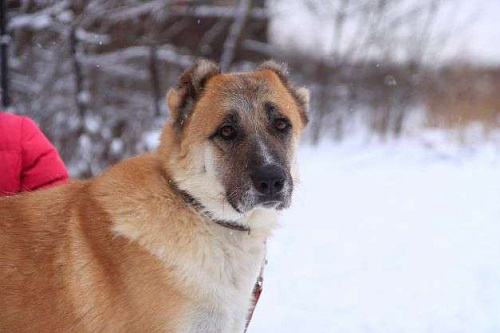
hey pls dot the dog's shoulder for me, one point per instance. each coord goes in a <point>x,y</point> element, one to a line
<point>144,169</point>
<point>133,189</point>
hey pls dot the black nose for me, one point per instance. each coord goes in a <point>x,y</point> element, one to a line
<point>269,180</point>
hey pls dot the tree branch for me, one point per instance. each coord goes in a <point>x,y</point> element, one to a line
<point>240,17</point>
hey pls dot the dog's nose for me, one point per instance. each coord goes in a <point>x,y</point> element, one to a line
<point>269,180</point>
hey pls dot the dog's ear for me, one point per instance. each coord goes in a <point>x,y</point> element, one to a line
<point>182,98</point>
<point>300,94</point>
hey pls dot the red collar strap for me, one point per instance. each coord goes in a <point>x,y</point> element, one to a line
<point>257,290</point>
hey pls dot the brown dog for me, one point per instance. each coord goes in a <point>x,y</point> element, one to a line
<point>170,241</point>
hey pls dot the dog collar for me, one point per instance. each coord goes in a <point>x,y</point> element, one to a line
<point>200,208</point>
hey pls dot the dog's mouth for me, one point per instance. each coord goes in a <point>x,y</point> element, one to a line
<point>243,206</point>
<point>271,204</point>
<point>278,205</point>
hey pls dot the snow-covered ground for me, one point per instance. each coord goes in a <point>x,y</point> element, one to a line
<point>397,237</point>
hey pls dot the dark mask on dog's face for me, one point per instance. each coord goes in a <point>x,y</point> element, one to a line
<point>239,132</point>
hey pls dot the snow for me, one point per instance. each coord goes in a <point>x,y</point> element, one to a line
<point>394,237</point>
<point>91,37</point>
<point>40,20</point>
<point>151,139</point>
<point>35,22</point>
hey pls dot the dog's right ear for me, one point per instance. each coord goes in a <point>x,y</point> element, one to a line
<point>182,98</point>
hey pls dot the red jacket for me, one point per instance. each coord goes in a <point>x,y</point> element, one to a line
<point>28,161</point>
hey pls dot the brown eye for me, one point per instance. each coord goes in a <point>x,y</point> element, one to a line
<point>281,125</point>
<point>227,132</point>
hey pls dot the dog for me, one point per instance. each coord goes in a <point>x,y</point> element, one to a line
<point>167,241</point>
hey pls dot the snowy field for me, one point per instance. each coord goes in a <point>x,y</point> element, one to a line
<point>398,237</point>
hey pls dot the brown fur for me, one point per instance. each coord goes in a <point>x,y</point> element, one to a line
<point>105,255</point>
<point>63,270</point>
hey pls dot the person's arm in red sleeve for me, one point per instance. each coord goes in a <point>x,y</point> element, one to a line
<point>42,166</point>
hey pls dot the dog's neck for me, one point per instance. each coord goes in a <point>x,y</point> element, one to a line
<point>198,206</point>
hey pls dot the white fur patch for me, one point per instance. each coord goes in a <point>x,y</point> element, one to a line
<point>217,271</point>
<point>203,184</point>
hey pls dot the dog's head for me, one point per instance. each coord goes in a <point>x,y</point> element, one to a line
<point>231,138</point>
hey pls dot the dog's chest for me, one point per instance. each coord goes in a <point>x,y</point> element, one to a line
<point>224,284</point>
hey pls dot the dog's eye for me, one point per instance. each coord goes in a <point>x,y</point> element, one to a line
<point>281,124</point>
<point>227,132</point>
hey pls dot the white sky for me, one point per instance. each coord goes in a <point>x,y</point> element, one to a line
<point>484,41</point>
<point>475,26</point>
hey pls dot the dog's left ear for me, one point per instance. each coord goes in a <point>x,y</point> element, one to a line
<point>300,94</point>
<point>182,98</point>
